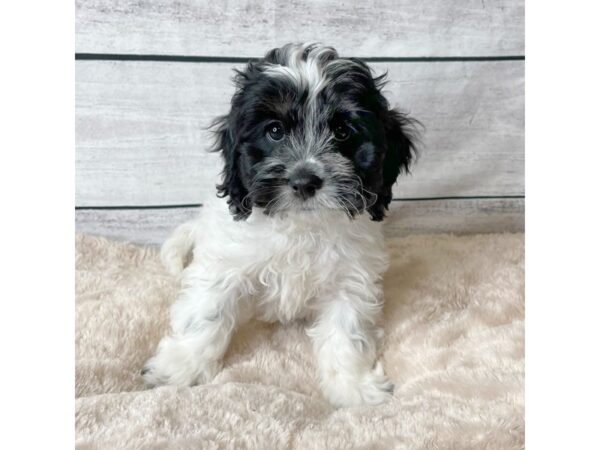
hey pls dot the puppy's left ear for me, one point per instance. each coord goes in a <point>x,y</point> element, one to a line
<point>400,137</point>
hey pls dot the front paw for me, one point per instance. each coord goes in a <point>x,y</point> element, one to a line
<point>371,388</point>
<point>175,364</point>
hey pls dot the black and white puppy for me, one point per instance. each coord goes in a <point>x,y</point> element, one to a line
<point>311,150</point>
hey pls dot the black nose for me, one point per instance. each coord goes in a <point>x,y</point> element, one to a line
<point>305,184</point>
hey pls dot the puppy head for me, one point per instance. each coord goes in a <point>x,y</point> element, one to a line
<point>309,130</point>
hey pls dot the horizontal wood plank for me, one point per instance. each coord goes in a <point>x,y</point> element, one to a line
<point>464,216</point>
<point>142,226</point>
<point>152,226</point>
<point>141,139</point>
<point>250,27</point>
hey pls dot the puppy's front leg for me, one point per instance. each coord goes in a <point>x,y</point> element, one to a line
<point>202,321</point>
<point>344,339</point>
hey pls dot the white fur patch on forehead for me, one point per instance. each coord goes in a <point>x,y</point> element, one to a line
<point>303,64</point>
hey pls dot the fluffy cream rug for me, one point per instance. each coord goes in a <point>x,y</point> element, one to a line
<point>454,347</point>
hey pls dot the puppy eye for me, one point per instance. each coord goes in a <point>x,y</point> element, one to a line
<point>341,132</point>
<point>275,131</point>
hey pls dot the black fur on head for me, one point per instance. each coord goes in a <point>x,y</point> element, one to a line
<point>309,130</point>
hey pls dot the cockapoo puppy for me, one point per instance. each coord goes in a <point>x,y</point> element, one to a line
<point>311,149</point>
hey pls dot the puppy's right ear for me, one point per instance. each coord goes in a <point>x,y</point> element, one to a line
<point>232,185</point>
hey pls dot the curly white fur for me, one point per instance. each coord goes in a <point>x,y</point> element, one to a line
<point>319,266</point>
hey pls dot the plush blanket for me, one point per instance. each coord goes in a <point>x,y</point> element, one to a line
<point>454,347</point>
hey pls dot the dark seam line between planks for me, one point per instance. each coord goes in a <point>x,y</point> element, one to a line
<point>464,197</point>
<point>240,59</point>
<point>197,205</point>
<point>183,206</point>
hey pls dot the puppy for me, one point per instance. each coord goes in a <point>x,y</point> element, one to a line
<point>311,149</point>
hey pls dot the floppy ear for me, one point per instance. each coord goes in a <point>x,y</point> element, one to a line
<point>232,185</point>
<point>399,152</point>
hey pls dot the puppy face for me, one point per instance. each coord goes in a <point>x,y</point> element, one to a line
<point>308,130</point>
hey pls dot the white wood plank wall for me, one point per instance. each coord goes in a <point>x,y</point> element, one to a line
<point>151,75</point>
<point>382,28</point>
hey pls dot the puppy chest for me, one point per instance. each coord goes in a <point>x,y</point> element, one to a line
<point>291,282</point>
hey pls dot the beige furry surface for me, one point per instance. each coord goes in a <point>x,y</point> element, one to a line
<point>454,347</point>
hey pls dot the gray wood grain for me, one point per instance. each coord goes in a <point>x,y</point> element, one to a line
<point>152,226</point>
<point>250,27</point>
<point>464,216</point>
<point>142,226</point>
<point>140,138</point>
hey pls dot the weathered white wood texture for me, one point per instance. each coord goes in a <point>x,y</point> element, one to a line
<point>250,27</point>
<point>141,139</point>
<point>142,226</point>
<point>152,226</point>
